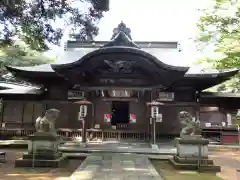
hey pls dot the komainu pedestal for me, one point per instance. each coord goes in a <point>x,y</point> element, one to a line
<point>42,152</point>
<point>43,145</point>
<point>192,154</point>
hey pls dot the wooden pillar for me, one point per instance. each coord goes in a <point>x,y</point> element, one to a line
<point>91,110</point>
<point>2,115</point>
<point>2,121</point>
<point>197,107</point>
<point>23,111</point>
<point>33,112</point>
<point>44,107</point>
<point>153,130</point>
<point>93,114</point>
<point>84,132</point>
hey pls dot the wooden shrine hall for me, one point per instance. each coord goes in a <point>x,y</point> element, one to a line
<point>119,77</point>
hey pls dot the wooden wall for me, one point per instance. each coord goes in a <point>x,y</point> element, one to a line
<point>170,119</point>
<point>22,114</point>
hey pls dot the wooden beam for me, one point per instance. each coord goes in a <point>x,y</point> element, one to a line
<point>120,99</point>
<point>139,88</point>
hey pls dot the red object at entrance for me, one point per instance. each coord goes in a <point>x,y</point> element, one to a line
<point>229,139</point>
<point>107,118</point>
<point>133,116</point>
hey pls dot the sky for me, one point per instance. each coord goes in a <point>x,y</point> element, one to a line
<point>157,20</point>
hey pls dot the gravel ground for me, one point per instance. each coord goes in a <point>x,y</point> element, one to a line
<point>229,162</point>
<point>9,172</point>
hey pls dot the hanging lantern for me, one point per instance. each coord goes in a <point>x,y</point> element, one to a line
<point>133,118</point>
<point>107,118</point>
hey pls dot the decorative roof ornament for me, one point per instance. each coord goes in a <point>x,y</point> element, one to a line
<point>121,37</point>
<point>121,28</point>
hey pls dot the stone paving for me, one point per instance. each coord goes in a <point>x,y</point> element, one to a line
<point>104,166</point>
<point>118,147</point>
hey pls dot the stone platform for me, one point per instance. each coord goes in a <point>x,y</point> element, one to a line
<point>206,165</point>
<point>192,154</point>
<point>118,147</point>
<point>110,166</point>
<point>42,152</point>
<point>54,163</point>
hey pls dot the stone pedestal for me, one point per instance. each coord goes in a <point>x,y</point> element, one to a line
<point>42,152</point>
<point>192,154</point>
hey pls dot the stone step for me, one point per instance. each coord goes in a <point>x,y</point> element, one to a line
<point>193,160</point>
<point>42,156</point>
<point>115,166</point>
<point>60,162</point>
<point>203,167</point>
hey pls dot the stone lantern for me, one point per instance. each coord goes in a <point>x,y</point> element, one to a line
<point>83,108</point>
<point>154,106</point>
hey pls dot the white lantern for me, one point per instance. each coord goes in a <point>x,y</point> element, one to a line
<point>154,111</point>
<point>159,118</point>
<point>82,112</point>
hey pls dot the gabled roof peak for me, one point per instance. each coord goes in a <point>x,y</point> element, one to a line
<point>121,39</point>
<point>121,28</point>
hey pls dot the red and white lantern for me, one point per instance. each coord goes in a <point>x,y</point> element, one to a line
<point>133,118</point>
<point>107,118</point>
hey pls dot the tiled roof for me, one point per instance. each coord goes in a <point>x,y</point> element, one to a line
<point>21,91</point>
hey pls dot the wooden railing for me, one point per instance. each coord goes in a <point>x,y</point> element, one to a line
<point>102,134</point>
<point>91,134</point>
<point>16,132</point>
<point>118,134</point>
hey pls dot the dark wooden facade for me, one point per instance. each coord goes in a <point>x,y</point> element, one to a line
<point>119,64</point>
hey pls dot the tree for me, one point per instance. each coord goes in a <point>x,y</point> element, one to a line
<point>19,54</point>
<point>34,21</point>
<point>220,25</point>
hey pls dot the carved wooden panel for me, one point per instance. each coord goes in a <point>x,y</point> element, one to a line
<point>13,111</point>
<point>28,120</point>
<point>38,110</point>
<point>28,111</point>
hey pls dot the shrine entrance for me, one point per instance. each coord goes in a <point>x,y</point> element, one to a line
<point>120,112</point>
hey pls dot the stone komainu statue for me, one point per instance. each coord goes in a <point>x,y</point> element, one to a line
<point>190,127</point>
<point>47,123</point>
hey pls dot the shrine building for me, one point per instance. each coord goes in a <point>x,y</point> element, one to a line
<point>118,77</point>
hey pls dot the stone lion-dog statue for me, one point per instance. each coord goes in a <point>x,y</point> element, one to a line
<point>47,122</point>
<point>190,127</point>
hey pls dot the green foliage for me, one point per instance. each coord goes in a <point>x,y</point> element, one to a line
<point>19,54</point>
<point>220,25</point>
<point>33,21</point>
<point>231,86</point>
